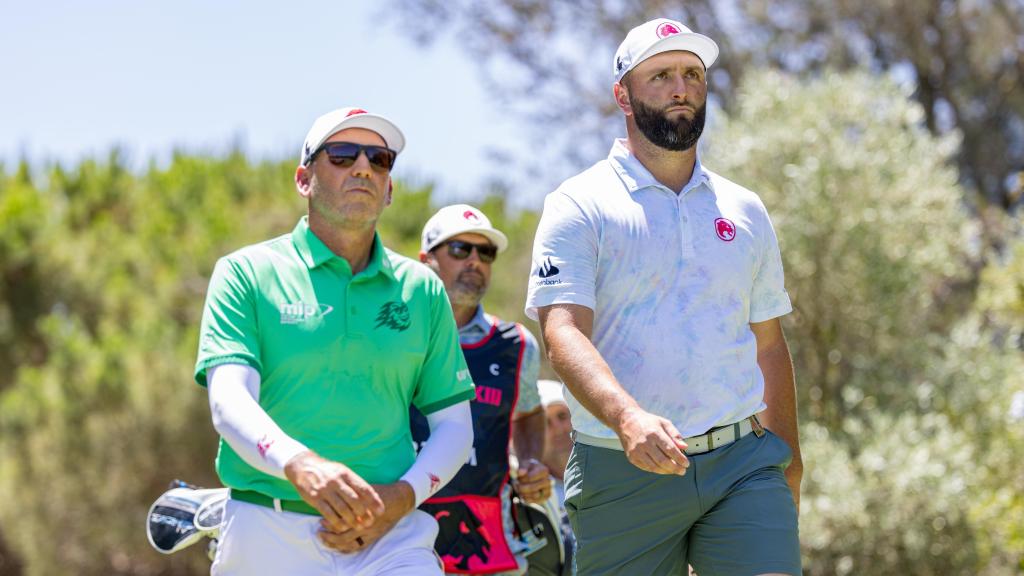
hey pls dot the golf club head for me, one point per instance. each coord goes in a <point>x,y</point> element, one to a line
<point>545,548</point>
<point>171,522</point>
<point>210,515</point>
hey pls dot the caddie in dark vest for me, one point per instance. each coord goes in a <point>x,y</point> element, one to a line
<point>474,510</point>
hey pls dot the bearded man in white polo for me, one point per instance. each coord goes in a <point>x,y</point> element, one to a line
<point>659,286</point>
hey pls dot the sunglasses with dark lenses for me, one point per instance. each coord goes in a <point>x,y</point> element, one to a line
<point>461,250</point>
<point>345,154</point>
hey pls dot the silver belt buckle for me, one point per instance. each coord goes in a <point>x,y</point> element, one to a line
<point>755,426</point>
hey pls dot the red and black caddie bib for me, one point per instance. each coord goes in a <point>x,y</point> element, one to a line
<point>468,509</point>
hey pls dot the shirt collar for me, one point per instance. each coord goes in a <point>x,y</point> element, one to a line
<point>315,253</point>
<point>479,323</point>
<point>636,176</point>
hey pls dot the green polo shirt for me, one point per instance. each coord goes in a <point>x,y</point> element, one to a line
<point>341,357</point>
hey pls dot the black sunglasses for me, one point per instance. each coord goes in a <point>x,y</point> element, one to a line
<point>344,154</point>
<point>460,250</point>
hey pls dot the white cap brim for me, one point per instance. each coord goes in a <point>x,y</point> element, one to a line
<point>704,47</point>
<point>495,236</point>
<point>333,122</point>
<point>392,136</point>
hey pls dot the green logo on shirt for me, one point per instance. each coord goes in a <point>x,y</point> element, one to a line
<point>394,315</point>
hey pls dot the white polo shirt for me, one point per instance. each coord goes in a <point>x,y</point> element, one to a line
<point>674,282</point>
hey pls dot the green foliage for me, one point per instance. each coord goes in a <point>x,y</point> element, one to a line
<point>507,294</point>
<point>1000,413</point>
<point>904,390</point>
<point>869,217</point>
<point>104,273</point>
<point>1001,294</point>
<point>907,346</point>
<point>894,506</point>
<point>937,493</point>
<point>402,222</point>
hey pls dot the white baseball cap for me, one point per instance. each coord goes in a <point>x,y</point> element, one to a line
<point>336,120</point>
<point>657,36</point>
<point>459,219</point>
<point>550,392</point>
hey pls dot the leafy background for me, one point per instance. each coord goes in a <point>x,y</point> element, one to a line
<point>886,141</point>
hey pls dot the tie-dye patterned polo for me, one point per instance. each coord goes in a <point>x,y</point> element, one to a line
<point>674,282</point>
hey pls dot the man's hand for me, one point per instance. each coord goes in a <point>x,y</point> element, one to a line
<point>652,443</point>
<point>398,499</point>
<point>339,494</point>
<point>533,481</point>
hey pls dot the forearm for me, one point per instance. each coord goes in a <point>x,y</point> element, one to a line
<point>399,499</point>
<point>587,375</point>
<point>528,434</point>
<point>244,425</point>
<point>451,438</point>
<point>780,395</point>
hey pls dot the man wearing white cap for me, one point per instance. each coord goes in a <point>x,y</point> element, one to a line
<point>659,286</point>
<point>313,347</point>
<point>474,510</point>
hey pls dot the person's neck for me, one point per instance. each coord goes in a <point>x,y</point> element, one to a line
<point>354,244</point>
<point>672,168</point>
<point>463,314</point>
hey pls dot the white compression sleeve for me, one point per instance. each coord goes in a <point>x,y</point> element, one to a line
<point>451,438</point>
<point>234,390</point>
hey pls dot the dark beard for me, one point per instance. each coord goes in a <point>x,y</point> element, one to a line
<point>676,135</point>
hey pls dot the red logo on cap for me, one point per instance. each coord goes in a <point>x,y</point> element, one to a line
<point>667,29</point>
<point>725,229</point>
<point>355,111</point>
<point>469,215</point>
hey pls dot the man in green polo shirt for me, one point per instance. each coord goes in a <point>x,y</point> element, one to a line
<point>313,347</point>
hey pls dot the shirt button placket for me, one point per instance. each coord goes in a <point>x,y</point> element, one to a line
<point>341,278</point>
<point>685,233</point>
<point>350,298</point>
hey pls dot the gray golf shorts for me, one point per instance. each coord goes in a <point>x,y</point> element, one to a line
<point>731,514</point>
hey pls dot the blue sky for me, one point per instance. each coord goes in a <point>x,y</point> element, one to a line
<point>81,77</point>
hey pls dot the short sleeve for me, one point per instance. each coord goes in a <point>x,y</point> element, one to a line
<point>529,396</point>
<point>228,333</point>
<point>565,253</point>
<point>768,298</point>
<point>444,378</point>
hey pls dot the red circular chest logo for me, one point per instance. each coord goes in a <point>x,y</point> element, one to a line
<point>667,29</point>
<point>725,229</point>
